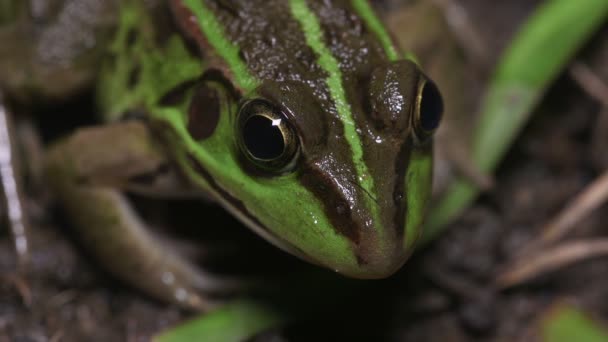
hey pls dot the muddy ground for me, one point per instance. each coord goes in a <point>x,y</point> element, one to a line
<point>445,293</point>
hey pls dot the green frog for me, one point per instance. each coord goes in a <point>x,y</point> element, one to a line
<point>301,118</point>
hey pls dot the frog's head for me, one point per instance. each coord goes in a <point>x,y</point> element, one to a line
<point>309,129</point>
<point>344,186</point>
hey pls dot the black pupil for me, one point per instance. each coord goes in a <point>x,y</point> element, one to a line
<point>262,138</point>
<point>431,108</point>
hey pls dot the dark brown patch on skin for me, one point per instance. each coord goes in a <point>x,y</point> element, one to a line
<point>186,21</point>
<point>336,207</point>
<point>204,111</point>
<point>360,259</point>
<point>211,91</point>
<point>400,202</point>
<point>392,96</point>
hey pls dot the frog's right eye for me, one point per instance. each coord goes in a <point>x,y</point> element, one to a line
<point>428,111</point>
<point>266,138</point>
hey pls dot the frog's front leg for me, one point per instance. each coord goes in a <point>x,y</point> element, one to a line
<point>87,172</point>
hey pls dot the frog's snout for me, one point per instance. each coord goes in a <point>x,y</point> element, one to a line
<point>377,246</point>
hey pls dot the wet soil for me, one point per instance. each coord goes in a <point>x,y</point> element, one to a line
<point>445,293</point>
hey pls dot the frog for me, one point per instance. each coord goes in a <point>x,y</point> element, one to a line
<point>303,119</point>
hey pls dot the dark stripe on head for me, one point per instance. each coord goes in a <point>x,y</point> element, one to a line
<point>399,190</point>
<point>188,27</point>
<point>337,208</point>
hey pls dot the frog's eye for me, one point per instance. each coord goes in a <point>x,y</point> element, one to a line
<point>266,138</point>
<point>428,112</point>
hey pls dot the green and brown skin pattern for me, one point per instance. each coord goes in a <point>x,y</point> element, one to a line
<point>354,196</point>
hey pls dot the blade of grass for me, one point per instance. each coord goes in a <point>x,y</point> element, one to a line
<point>537,55</point>
<point>233,322</point>
<point>566,323</point>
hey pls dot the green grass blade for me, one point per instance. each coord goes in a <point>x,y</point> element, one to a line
<point>566,323</point>
<point>537,55</point>
<point>233,322</point>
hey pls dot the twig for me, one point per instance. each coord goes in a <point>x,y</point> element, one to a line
<point>536,258</point>
<point>594,195</point>
<point>590,199</point>
<point>590,82</point>
<point>458,20</point>
<point>550,260</point>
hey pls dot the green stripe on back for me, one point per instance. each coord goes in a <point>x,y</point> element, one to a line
<point>366,12</point>
<point>313,33</point>
<point>226,49</point>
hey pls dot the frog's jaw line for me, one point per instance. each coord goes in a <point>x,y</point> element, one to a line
<point>238,210</point>
<point>262,231</point>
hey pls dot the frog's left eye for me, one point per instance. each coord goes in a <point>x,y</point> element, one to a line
<point>428,112</point>
<point>266,138</point>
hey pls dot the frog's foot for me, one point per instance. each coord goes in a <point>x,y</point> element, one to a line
<point>12,187</point>
<point>87,172</point>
